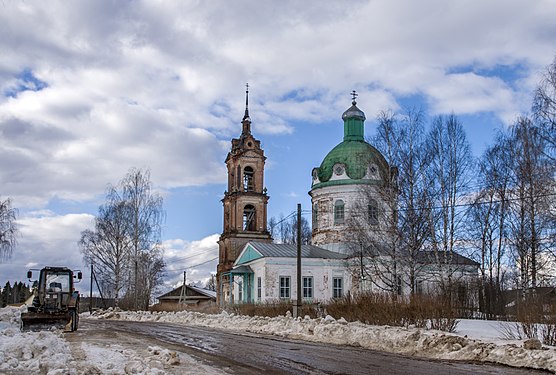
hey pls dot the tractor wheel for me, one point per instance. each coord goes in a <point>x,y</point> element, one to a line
<point>74,317</point>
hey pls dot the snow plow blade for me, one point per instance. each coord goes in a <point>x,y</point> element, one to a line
<point>39,321</point>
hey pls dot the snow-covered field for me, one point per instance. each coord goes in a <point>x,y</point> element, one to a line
<point>474,340</point>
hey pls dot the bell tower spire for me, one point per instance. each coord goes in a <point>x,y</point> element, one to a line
<point>246,122</point>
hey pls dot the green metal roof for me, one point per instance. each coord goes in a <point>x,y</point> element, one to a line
<point>266,249</point>
<point>354,153</point>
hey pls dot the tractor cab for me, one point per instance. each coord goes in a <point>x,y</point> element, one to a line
<point>55,302</point>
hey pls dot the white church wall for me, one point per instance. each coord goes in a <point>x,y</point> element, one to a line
<point>323,272</point>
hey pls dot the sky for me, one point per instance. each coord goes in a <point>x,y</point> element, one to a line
<point>90,89</point>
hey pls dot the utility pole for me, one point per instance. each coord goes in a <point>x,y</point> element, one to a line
<point>183,291</point>
<point>297,310</point>
<point>91,292</point>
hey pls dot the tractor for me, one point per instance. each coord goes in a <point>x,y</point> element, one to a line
<point>55,300</point>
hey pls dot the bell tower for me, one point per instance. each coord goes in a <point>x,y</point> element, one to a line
<point>244,201</point>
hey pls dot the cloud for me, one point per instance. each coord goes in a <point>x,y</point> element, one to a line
<point>116,85</point>
<point>197,258</point>
<point>47,240</point>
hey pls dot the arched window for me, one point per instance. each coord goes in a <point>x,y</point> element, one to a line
<point>315,216</point>
<point>339,212</point>
<point>373,212</point>
<point>248,184</point>
<point>249,216</point>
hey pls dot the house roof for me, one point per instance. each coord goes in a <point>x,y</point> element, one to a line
<point>192,291</point>
<point>290,251</point>
<point>427,257</point>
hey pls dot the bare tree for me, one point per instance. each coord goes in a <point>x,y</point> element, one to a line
<point>390,250</point>
<point>125,243</point>
<point>415,199</point>
<point>487,223</point>
<point>544,109</point>
<point>284,230</point>
<point>211,282</point>
<point>145,215</point>
<point>533,198</point>
<point>108,246</point>
<point>450,170</point>
<point>8,229</point>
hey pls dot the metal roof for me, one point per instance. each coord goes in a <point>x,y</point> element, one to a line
<point>429,257</point>
<point>177,291</point>
<point>290,251</point>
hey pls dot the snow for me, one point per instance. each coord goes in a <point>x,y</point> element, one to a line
<point>474,340</point>
<point>49,352</point>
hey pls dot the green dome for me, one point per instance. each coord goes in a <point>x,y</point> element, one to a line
<point>356,157</point>
<point>354,154</point>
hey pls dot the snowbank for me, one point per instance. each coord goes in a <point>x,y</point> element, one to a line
<point>42,352</point>
<point>408,341</point>
<point>48,352</point>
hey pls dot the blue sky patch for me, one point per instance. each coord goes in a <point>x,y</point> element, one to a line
<point>26,81</point>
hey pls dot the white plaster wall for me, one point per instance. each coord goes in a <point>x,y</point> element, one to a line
<point>322,270</point>
<point>336,237</point>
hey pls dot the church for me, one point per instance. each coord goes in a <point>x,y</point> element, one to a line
<point>252,268</point>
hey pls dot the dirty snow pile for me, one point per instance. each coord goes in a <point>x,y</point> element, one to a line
<point>48,352</point>
<point>30,352</point>
<point>472,342</point>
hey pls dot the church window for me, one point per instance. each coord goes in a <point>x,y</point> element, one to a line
<point>337,287</point>
<point>240,292</point>
<point>285,287</point>
<point>315,216</point>
<point>419,287</point>
<point>248,184</point>
<point>249,218</point>
<point>373,170</point>
<point>308,287</point>
<point>339,212</point>
<point>259,288</point>
<point>373,212</point>
<point>338,169</point>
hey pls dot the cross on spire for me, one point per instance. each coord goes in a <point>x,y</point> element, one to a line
<point>246,116</point>
<point>353,96</point>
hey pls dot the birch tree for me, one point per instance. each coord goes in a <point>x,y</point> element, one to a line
<point>533,198</point>
<point>108,245</point>
<point>450,170</point>
<point>8,229</point>
<point>145,217</point>
<point>125,244</point>
<point>487,223</point>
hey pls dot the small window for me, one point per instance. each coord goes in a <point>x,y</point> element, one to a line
<point>285,287</point>
<point>249,223</point>
<point>315,216</point>
<point>240,292</point>
<point>339,212</point>
<point>373,212</point>
<point>419,287</point>
<point>307,287</point>
<point>337,287</point>
<point>259,289</point>
<point>248,184</point>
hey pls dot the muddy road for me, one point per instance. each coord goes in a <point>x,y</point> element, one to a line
<point>232,353</point>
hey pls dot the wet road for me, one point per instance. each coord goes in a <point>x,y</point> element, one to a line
<point>256,354</point>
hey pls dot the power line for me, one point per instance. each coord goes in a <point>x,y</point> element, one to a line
<point>458,205</point>
<point>193,266</point>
